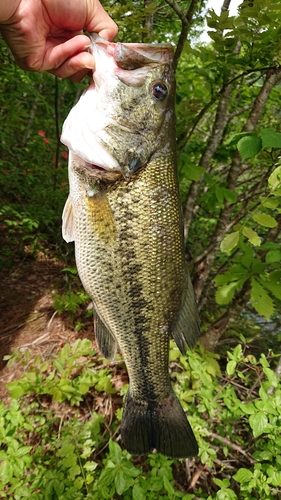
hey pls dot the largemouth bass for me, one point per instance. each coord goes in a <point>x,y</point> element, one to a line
<point>124,215</point>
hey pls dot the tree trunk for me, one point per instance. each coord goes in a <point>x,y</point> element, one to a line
<point>272,77</point>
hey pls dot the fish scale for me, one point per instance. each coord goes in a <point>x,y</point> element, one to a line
<point>126,222</point>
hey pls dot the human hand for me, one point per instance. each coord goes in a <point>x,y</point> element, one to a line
<point>45,35</point>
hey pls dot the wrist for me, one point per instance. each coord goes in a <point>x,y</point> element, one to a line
<point>7,9</point>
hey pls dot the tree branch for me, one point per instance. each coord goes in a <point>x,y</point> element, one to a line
<point>238,112</point>
<point>186,21</point>
<point>212,144</point>
<point>225,5</point>
<point>233,446</point>
<point>216,97</point>
<point>148,22</point>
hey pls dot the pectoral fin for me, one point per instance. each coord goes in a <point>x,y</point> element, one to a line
<point>105,341</point>
<point>187,328</point>
<point>68,222</point>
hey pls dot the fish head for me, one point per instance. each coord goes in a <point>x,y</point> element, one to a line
<point>144,104</point>
<point>127,114</point>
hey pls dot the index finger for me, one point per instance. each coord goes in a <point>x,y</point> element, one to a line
<point>98,21</point>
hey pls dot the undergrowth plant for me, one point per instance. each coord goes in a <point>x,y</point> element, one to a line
<point>73,299</point>
<point>60,451</point>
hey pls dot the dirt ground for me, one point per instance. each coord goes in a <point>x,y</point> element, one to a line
<point>28,319</point>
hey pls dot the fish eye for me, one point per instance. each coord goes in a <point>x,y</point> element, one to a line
<point>159,91</point>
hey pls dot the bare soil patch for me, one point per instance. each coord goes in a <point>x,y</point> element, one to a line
<point>28,319</point>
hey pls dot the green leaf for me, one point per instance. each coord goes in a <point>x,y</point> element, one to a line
<point>233,139</point>
<point>270,245</point>
<point>104,385</point>
<point>249,146</point>
<point>262,455</point>
<point>6,471</point>
<point>213,367</point>
<point>229,242</point>
<point>138,492</point>
<point>15,392</point>
<point>274,476</point>
<point>260,300</point>
<point>269,202</point>
<point>58,487</point>
<point>230,367</point>
<point>226,494</point>
<point>219,195</point>
<point>63,354</point>
<point>258,422</point>
<point>229,195</point>
<point>275,276</point>
<point>273,256</point>
<point>235,272</point>
<point>107,476</point>
<point>274,180</point>
<point>274,288</point>
<point>252,236</point>
<point>222,279</point>
<point>270,138</point>
<point>248,408</point>
<point>120,482</point>
<point>83,388</point>
<point>194,172</point>
<point>273,381</point>
<point>67,450</point>
<point>168,486</point>
<point>79,483</point>
<point>243,476</point>
<point>57,394</point>
<point>226,292</point>
<point>265,220</point>
<point>115,451</point>
<point>263,361</point>
<point>23,450</point>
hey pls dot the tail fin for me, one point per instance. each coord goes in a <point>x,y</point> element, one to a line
<point>149,425</point>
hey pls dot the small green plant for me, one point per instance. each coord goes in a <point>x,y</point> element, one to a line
<point>57,465</point>
<point>70,302</point>
<point>68,377</point>
<point>243,411</point>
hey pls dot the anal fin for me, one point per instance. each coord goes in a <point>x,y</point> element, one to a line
<point>186,331</point>
<point>105,340</point>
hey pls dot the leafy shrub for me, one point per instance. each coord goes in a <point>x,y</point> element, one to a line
<point>49,452</point>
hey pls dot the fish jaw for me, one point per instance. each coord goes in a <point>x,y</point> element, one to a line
<point>81,130</point>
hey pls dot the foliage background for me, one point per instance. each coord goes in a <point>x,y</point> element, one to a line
<point>228,144</point>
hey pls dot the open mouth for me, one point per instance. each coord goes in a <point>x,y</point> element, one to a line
<point>96,167</point>
<point>97,171</point>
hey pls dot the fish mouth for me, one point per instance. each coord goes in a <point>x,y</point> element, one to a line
<point>97,171</point>
<point>95,167</point>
